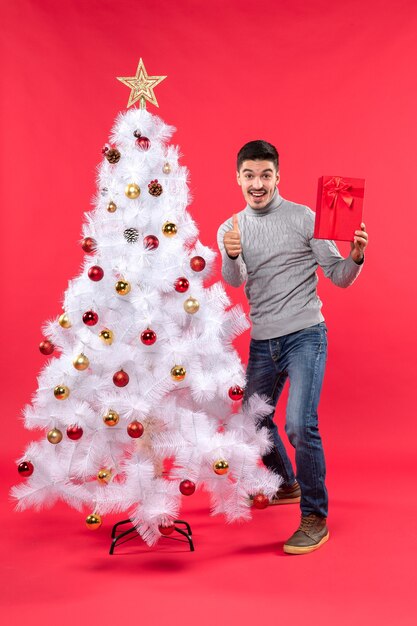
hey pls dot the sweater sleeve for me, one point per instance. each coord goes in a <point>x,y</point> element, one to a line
<point>341,271</point>
<point>233,270</point>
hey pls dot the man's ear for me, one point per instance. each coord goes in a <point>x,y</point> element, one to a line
<point>278,177</point>
<point>238,179</point>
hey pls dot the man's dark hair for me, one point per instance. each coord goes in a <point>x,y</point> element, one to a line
<point>258,150</point>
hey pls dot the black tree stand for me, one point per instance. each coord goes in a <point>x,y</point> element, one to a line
<point>119,537</point>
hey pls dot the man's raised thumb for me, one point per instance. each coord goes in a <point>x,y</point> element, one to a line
<point>235,223</point>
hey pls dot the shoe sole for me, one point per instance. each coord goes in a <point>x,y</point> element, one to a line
<point>305,549</point>
<point>285,501</point>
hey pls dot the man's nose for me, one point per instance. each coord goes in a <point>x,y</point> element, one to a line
<point>257,183</point>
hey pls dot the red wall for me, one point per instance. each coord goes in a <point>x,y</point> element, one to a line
<point>332,84</point>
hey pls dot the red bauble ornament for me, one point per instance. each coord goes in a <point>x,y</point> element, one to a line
<point>148,337</point>
<point>135,430</point>
<point>197,263</point>
<point>181,284</point>
<point>150,242</point>
<point>46,347</point>
<point>95,273</point>
<point>105,148</point>
<point>25,469</point>
<point>166,530</point>
<point>74,432</point>
<point>187,487</point>
<point>236,393</point>
<point>121,378</point>
<point>90,318</point>
<point>260,501</point>
<point>88,244</point>
<point>143,143</point>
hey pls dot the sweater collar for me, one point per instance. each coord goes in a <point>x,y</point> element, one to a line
<point>271,207</point>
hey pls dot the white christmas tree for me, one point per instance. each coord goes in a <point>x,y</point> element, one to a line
<point>143,402</point>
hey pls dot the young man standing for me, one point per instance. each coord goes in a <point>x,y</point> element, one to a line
<point>270,247</point>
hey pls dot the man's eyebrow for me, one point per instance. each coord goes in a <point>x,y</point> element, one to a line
<point>268,169</point>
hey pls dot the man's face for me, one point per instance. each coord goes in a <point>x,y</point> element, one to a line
<point>258,180</point>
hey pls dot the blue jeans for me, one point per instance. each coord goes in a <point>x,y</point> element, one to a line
<point>301,357</point>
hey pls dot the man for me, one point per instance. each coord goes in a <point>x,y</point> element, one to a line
<point>270,247</point>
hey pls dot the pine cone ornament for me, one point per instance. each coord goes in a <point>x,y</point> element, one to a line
<point>112,155</point>
<point>131,235</point>
<point>155,188</point>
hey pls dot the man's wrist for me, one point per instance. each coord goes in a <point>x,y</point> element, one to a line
<point>359,260</point>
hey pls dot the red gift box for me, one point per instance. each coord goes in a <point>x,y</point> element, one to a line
<point>339,207</point>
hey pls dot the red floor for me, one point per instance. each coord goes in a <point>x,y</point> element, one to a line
<point>57,572</point>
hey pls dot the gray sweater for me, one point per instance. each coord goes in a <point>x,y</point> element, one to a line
<point>279,262</point>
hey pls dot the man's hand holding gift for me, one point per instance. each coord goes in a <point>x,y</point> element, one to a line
<point>359,243</point>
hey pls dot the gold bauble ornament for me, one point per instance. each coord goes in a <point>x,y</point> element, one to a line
<point>106,336</point>
<point>61,392</point>
<point>111,207</point>
<point>191,305</point>
<point>111,418</point>
<point>54,436</point>
<point>93,521</point>
<point>221,467</point>
<point>169,229</point>
<point>132,191</point>
<point>104,476</point>
<point>122,287</point>
<point>178,372</point>
<point>81,362</point>
<point>167,168</point>
<point>64,321</point>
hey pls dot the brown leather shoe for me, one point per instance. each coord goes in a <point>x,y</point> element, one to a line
<point>311,535</point>
<point>287,495</point>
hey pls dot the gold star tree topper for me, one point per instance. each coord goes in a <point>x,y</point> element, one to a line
<point>141,86</point>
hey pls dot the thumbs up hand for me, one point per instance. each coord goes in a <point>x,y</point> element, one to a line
<point>231,240</point>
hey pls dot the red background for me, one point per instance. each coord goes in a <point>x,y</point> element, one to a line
<point>332,85</point>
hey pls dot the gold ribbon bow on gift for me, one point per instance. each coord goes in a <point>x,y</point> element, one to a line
<point>337,190</point>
